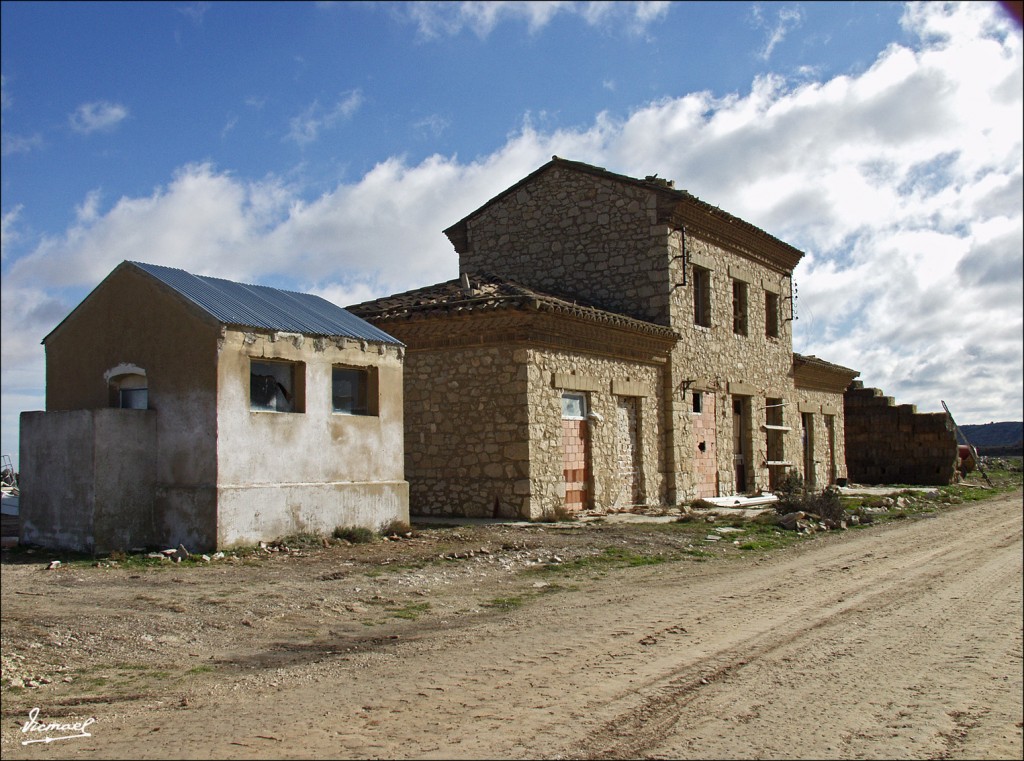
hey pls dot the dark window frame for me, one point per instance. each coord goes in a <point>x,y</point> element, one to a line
<point>276,385</point>
<point>771,314</point>
<point>740,299</point>
<point>363,399</point>
<point>701,296</point>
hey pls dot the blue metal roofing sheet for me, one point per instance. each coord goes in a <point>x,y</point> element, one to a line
<point>260,306</point>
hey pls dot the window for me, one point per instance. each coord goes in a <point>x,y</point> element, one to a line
<point>698,402</point>
<point>771,314</point>
<point>739,307</point>
<point>276,386</point>
<point>701,296</point>
<point>134,398</point>
<point>354,391</point>
<point>129,392</point>
<point>574,405</point>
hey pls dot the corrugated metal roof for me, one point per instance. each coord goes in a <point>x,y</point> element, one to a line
<point>260,306</point>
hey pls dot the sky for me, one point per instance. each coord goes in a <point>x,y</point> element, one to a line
<point>323,147</point>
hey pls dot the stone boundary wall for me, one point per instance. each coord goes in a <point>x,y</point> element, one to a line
<point>895,444</point>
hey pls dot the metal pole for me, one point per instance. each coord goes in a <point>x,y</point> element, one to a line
<point>974,452</point>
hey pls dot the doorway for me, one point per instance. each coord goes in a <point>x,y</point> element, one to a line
<point>575,450</point>
<point>629,489</point>
<point>741,442</point>
<point>807,420</point>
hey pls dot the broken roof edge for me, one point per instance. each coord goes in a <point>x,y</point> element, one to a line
<point>811,372</point>
<point>450,297</point>
<point>456,232</point>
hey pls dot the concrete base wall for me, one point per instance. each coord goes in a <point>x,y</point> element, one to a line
<point>87,479</point>
<point>249,514</point>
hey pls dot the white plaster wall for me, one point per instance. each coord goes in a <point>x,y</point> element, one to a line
<point>280,473</point>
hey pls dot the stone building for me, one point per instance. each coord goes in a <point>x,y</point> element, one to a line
<point>610,342</point>
<point>195,410</point>
<point>889,443</point>
<point>819,388</point>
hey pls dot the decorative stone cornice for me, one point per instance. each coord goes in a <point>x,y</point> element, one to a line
<point>525,328</point>
<point>485,294</point>
<point>815,374</point>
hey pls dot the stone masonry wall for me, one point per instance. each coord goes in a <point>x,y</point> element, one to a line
<point>466,430</point>
<point>890,444</point>
<point>573,233</point>
<point>728,364</point>
<point>603,380</point>
<point>483,429</point>
<point>829,451</point>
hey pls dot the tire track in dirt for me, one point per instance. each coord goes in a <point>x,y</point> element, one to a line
<point>908,596</point>
<point>856,632</point>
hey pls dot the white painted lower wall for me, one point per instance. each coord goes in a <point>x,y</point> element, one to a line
<point>250,514</point>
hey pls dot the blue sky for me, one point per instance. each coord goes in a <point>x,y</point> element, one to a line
<point>324,146</point>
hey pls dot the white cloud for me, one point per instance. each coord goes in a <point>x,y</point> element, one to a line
<point>306,127</point>
<point>97,116</point>
<point>786,19</point>
<point>434,125</point>
<point>440,19</point>
<point>8,234</point>
<point>903,184</point>
<point>11,143</point>
<point>194,12</point>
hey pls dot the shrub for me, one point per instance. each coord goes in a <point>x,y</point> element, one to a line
<point>354,534</point>
<point>793,496</point>
<point>827,504</point>
<point>791,493</point>
<point>556,514</point>
<point>395,528</point>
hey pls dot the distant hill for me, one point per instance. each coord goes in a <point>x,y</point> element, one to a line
<point>996,438</point>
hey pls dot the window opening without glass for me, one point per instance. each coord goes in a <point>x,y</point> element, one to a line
<point>273,386</point>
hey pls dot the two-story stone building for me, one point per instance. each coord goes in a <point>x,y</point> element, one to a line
<point>611,342</point>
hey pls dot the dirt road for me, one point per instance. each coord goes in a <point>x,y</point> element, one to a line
<point>899,641</point>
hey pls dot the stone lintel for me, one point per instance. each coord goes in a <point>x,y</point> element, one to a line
<point>700,260</point>
<point>742,389</point>
<point>740,273</point>
<point>571,382</point>
<point>629,388</point>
